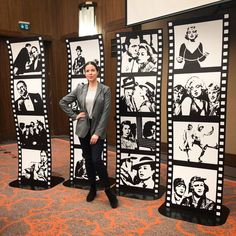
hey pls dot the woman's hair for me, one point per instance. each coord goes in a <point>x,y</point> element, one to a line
<point>214,87</point>
<point>197,80</point>
<point>192,28</point>
<point>132,128</point>
<point>150,52</point>
<point>147,128</point>
<point>93,63</point>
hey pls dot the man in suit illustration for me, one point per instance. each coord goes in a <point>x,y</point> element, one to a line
<point>22,59</point>
<point>27,102</point>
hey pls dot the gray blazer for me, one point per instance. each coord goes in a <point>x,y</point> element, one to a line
<point>100,113</point>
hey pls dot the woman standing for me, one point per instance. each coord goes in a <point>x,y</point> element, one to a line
<point>94,101</point>
<point>191,52</point>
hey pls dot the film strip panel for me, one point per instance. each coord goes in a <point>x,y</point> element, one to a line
<point>28,96</point>
<point>197,92</point>
<point>79,51</point>
<point>138,127</point>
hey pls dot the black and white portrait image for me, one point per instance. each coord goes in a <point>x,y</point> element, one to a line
<point>137,94</point>
<point>32,132</point>
<point>139,53</point>
<point>194,188</point>
<point>147,136</point>
<point>75,136</point>
<point>27,58</point>
<point>196,142</point>
<point>79,165</point>
<point>148,128</point>
<point>137,170</point>
<point>35,165</point>
<point>83,51</point>
<point>198,45</point>
<point>197,94</point>
<point>28,96</point>
<point>128,133</point>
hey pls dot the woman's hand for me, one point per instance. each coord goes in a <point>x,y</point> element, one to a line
<point>94,139</point>
<point>81,115</point>
<point>179,59</point>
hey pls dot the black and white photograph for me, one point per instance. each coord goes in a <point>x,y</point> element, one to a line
<point>32,132</point>
<point>198,45</point>
<point>148,133</point>
<point>27,58</point>
<point>128,133</point>
<point>138,94</point>
<point>139,53</point>
<point>194,188</point>
<point>197,95</point>
<point>196,142</point>
<point>137,170</point>
<point>79,165</point>
<point>28,96</point>
<point>83,51</point>
<point>35,165</point>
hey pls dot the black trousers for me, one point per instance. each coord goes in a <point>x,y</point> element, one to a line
<point>93,161</point>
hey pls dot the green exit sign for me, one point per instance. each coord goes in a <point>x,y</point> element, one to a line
<point>23,25</point>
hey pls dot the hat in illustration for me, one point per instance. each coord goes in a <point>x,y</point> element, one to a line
<point>78,48</point>
<point>129,83</point>
<point>148,86</point>
<point>144,161</point>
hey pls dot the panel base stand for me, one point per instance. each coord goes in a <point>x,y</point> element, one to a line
<point>195,216</point>
<point>84,183</point>
<point>139,193</point>
<point>34,184</point>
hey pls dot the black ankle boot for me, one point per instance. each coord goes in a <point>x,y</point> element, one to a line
<point>112,198</point>
<point>91,195</point>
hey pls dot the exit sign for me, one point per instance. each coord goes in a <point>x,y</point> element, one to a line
<point>23,25</point>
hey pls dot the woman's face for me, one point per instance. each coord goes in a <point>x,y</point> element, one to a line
<point>196,89</point>
<point>91,73</point>
<point>126,131</point>
<point>192,33</point>
<point>180,189</point>
<point>145,172</point>
<point>212,95</point>
<point>143,91</point>
<point>142,56</point>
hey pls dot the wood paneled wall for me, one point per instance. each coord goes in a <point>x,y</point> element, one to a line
<point>57,19</point>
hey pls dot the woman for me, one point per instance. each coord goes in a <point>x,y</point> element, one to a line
<point>145,173</point>
<point>147,93</point>
<point>213,92</point>
<point>147,59</point>
<point>197,102</point>
<point>94,100</point>
<point>191,52</point>
<point>128,135</point>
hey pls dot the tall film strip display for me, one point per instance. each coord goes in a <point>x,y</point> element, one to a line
<point>138,106</point>
<point>197,91</point>
<point>28,96</point>
<point>79,51</point>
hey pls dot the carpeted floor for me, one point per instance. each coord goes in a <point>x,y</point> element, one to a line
<point>63,211</point>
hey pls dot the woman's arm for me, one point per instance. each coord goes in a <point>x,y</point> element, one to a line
<point>66,100</point>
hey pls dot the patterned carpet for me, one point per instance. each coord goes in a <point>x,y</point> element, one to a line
<point>63,211</point>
